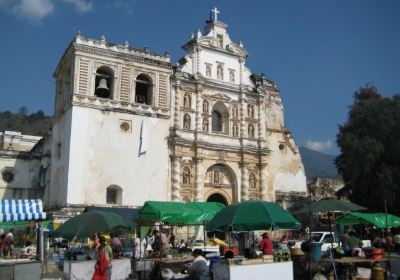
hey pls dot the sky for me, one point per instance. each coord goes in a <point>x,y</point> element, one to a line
<point>318,52</point>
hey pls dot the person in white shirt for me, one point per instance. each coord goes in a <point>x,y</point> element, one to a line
<point>139,248</point>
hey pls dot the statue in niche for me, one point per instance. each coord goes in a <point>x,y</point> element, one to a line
<point>231,76</point>
<point>216,177</point>
<point>186,176</point>
<point>205,106</point>
<point>187,101</point>
<point>251,131</point>
<point>250,111</point>
<point>220,72</point>
<point>205,125</point>
<point>186,122</point>
<point>208,70</point>
<point>235,130</point>
<point>252,181</point>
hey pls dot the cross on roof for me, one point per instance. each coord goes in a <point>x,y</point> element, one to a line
<point>216,12</point>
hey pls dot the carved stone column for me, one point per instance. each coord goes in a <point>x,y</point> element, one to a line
<point>177,105</point>
<point>263,182</point>
<point>245,182</point>
<point>243,131</point>
<point>198,192</point>
<point>198,108</point>
<point>261,120</point>
<point>176,178</point>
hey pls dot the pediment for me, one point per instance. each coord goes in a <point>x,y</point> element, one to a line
<point>237,49</point>
<point>210,41</point>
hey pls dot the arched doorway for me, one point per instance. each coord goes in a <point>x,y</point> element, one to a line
<point>220,184</point>
<point>216,197</point>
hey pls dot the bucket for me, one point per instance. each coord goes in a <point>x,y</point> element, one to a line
<point>315,251</point>
<point>378,273</point>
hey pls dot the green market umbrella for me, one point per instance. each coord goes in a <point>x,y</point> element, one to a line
<point>376,219</point>
<point>90,222</point>
<point>329,205</point>
<point>252,215</point>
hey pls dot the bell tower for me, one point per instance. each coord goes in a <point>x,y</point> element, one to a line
<point>112,108</point>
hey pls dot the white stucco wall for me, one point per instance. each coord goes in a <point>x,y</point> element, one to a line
<point>56,194</point>
<point>26,177</point>
<point>285,168</point>
<point>102,154</point>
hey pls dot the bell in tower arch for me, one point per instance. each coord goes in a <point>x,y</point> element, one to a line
<point>102,89</point>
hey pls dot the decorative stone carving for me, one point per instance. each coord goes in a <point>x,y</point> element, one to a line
<point>245,182</point>
<point>176,178</point>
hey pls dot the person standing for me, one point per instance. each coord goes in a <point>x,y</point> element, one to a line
<point>139,247</point>
<point>104,258</point>
<point>266,244</point>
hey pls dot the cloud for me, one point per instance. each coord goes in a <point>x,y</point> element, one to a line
<point>82,6</point>
<point>125,5</point>
<point>319,146</point>
<point>33,10</point>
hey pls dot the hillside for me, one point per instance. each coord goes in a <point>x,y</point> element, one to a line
<point>317,164</point>
<point>34,124</point>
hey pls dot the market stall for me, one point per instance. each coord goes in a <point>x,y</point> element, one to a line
<point>83,226</point>
<point>250,216</point>
<point>161,214</point>
<point>18,212</point>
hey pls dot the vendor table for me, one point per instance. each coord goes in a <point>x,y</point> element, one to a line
<point>277,270</point>
<point>20,269</point>
<point>82,270</point>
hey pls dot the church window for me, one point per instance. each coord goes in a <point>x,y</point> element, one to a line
<point>235,130</point>
<point>220,118</point>
<point>125,126</point>
<point>58,150</point>
<point>220,39</point>
<point>205,125</point>
<point>220,72</point>
<point>7,176</point>
<point>250,111</point>
<point>144,90</point>
<point>186,122</point>
<point>251,131</point>
<point>104,82</point>
<point>232,76</point>
<point>205,106</point>
<point>216,121</point>
<point>187,100</point>
<point>281,147</point>
<point>114,195</point>
<point>186,174</point>
<point>208,70</point>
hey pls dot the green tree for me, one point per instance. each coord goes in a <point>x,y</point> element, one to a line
<point>370,150</point>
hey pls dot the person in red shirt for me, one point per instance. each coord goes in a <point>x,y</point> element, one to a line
<point>266,244</point>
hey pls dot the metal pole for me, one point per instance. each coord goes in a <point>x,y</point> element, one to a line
<point>387,239</point>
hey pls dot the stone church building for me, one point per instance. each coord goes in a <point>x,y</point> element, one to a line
<point>130,126</point>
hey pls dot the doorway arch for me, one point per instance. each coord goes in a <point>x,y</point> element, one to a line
<point>217,197</point>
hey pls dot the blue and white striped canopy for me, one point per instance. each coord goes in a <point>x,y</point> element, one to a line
<point>13,210</point>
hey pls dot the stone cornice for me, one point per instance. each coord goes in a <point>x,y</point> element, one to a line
<point>10,154</point>
<point>144,59</point>
<point>120,107</point>
<point>219,147</point>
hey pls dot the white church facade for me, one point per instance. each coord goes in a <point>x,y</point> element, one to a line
<point>130,126</point>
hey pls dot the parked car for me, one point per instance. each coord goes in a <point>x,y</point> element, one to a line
<point>325,238</point>
<point>59,242</point>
